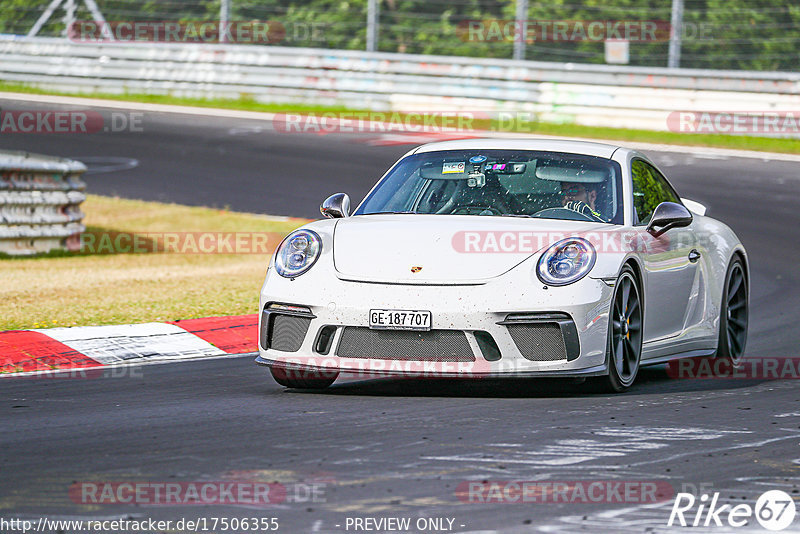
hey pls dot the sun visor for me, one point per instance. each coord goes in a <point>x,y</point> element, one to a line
<point>571,174</point>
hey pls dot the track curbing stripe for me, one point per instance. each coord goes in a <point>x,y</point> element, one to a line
<point>118,343</point>
<point>44,350</point>
<point>233,334</point>
<point>25,351</point>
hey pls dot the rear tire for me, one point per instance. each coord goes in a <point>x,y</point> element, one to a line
<point>733,316</point>
<point>307,379</point>
<point>625,333</point>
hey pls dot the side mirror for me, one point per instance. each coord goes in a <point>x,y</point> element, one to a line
<point>336,206</point>
<point>668,215</point>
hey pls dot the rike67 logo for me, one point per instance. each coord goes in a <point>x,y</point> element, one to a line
<point>774,510</point>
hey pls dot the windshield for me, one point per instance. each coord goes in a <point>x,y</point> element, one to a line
<point>518,183</point>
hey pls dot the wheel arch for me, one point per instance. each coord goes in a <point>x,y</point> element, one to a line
<point>739,253</point>
<point>735,253</point>
<point>636,268</point>
<point>634,264</point>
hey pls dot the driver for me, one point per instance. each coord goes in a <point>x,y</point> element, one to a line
<point>581,197</point>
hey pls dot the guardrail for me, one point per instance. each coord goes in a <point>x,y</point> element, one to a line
<point>595,95</point>
<point>40,200</point>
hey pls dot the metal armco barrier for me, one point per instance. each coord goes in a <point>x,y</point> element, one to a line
<point>594,95</point>
<point>40,200</point>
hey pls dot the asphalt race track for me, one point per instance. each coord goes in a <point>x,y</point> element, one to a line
<point>400,448</point>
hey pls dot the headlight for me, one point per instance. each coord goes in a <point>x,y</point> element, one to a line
<point>297,253</point>
<point>566,262</point>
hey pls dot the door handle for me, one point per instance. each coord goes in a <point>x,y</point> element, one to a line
<point>694,255</point>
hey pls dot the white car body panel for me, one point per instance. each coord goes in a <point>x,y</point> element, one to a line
<point>694,206</point>
<point>427,241</point>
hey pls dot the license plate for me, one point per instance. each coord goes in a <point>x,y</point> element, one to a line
<point>400,319</point>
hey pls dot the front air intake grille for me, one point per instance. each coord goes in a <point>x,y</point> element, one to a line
<point>288,332</point>
<point>539,342</point>
<point>432,346</point>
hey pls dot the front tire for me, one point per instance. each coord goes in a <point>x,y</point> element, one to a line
<point>733,316</point>
<point>309,379</point>
<point>625,333</point>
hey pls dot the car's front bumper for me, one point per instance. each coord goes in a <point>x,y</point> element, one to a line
<point>487,307</point>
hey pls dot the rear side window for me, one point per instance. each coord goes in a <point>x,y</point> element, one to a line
<point>650,189</point>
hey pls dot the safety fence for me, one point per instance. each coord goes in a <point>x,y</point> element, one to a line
<point>729,34</point>
<point>40,199</point>
<point>593,95</point>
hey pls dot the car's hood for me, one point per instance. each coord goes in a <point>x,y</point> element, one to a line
<point>441,249</point>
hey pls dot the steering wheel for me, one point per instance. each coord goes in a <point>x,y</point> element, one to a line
<point>468,207</point>
<point>563,213</point>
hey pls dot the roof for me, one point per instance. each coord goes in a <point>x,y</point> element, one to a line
<point>547,145</point>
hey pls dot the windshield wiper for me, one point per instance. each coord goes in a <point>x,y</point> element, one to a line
<point>517,215</point>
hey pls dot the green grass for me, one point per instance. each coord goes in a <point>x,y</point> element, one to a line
<point>245,103</point>
<point>248,103</point>
<point>117,285</point>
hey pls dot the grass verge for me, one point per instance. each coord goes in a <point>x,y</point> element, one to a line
<point>741,142</point>
<point>108,282</point>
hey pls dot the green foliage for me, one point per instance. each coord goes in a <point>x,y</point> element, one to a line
<point>751,35</point>
<point>649,190</point>
<point>719,34</point>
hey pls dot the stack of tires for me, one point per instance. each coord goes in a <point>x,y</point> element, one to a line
<point>40,199</point>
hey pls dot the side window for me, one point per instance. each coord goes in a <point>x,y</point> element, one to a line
<point>650,189</point>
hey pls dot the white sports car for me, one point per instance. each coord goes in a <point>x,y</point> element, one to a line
<point>497,257</point>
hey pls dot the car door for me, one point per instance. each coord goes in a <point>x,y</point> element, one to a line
<point>670,261</point>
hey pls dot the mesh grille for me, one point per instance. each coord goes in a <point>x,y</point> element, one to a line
<point>433,345</point>
<point>539,342</point>
<point>288,332</point>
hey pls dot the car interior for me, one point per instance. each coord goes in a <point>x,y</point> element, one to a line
<point>537,187</point>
